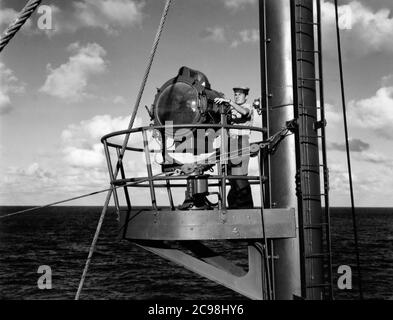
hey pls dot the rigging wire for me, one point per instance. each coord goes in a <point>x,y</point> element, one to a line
<point>355,233</point>
<point>75,198</point>
<point>23,16</point>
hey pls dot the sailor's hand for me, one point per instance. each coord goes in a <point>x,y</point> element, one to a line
<point>221,100</point>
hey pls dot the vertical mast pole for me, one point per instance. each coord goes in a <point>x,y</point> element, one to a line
<point>275,30</point>
<point>308,165</point>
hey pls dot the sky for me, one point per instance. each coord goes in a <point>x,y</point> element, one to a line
<point>63,88</point>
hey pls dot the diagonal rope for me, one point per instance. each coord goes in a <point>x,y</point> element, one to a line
<point>125,143</point>
<point>130,184</point>
<point>25,14</point>
<point>355,233</point>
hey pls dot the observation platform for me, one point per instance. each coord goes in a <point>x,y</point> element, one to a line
<point>158,223</point>
<point>235,224</point>
<point>162,229</point>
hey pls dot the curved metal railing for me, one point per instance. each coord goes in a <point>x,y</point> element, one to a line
<point>173,178</point>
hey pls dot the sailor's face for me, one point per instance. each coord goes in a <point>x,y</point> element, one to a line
<point>240,97</point>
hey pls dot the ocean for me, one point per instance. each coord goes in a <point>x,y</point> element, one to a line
<point>60,237</point>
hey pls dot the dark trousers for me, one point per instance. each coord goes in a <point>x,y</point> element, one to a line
<point>239,195</point>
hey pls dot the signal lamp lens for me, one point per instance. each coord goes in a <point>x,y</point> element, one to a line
<point>178,103</point>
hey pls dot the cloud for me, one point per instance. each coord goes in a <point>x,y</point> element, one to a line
<point>387,81</point>
<point>248,36</point>
<point>338,178</point>
<point>34,170</point>
<point>70,80</point>
<point>216,34</point>
<point>355,145</point>
<point>332,114</point>
<point>83,159</point>
<point>81,142</point>
<point>119,100</point>
<point>82,147</point>
<point>363,30</point>
<point>93,129</point>
<point>375,113</point>
<point>5,103</point>
<point>238,4</point>
<point>371,175</point>
<point>108,14</point>
<point>27,180</point>
<point>79,165</point>
<point>9,84</point>
<point>375,158</point>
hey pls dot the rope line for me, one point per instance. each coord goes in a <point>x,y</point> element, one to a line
<point>125,143</point>
<point>25,14</point>
<point>74,198</point>
<point>355,233</point>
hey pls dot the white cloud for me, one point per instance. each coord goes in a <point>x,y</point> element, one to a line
<point>78,167</point>
<point>363,30</point>
<point>82,145</point>
<point>84,162</point>
<point>85,158</point>
<point>375,158</point>
<point>9,84</point>
<point>332,115</point>
<point>387,81</point>
<point>375,113</point>
<point>90,131</point>
<point>119,100</point>
<point>238,4</point>
<point>109,15</point>
<point>70,80</point>
<point>371,175</point>
<point>27,180</point>
<point>5,103</point>
<point>33,170</point>
<point>368,120</point>
<point>355,145</point>
<point>372,115</point>
<point>216,34</point>
<point>82,148</point>
<point>245,37</point>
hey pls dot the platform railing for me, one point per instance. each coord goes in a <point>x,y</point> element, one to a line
<point>167,179</point>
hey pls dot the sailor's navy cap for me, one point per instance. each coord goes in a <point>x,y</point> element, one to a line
<point>242,88</point>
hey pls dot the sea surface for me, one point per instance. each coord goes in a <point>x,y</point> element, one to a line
<point>60,237</point>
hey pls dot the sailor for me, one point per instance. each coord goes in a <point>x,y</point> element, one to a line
<point>239,196</point>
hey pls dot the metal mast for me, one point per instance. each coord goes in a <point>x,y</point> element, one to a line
<point>289,87</point>
<point>275,25</point>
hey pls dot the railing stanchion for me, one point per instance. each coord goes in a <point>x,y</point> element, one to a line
<point>149,170</point>
<point>112,177</point>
